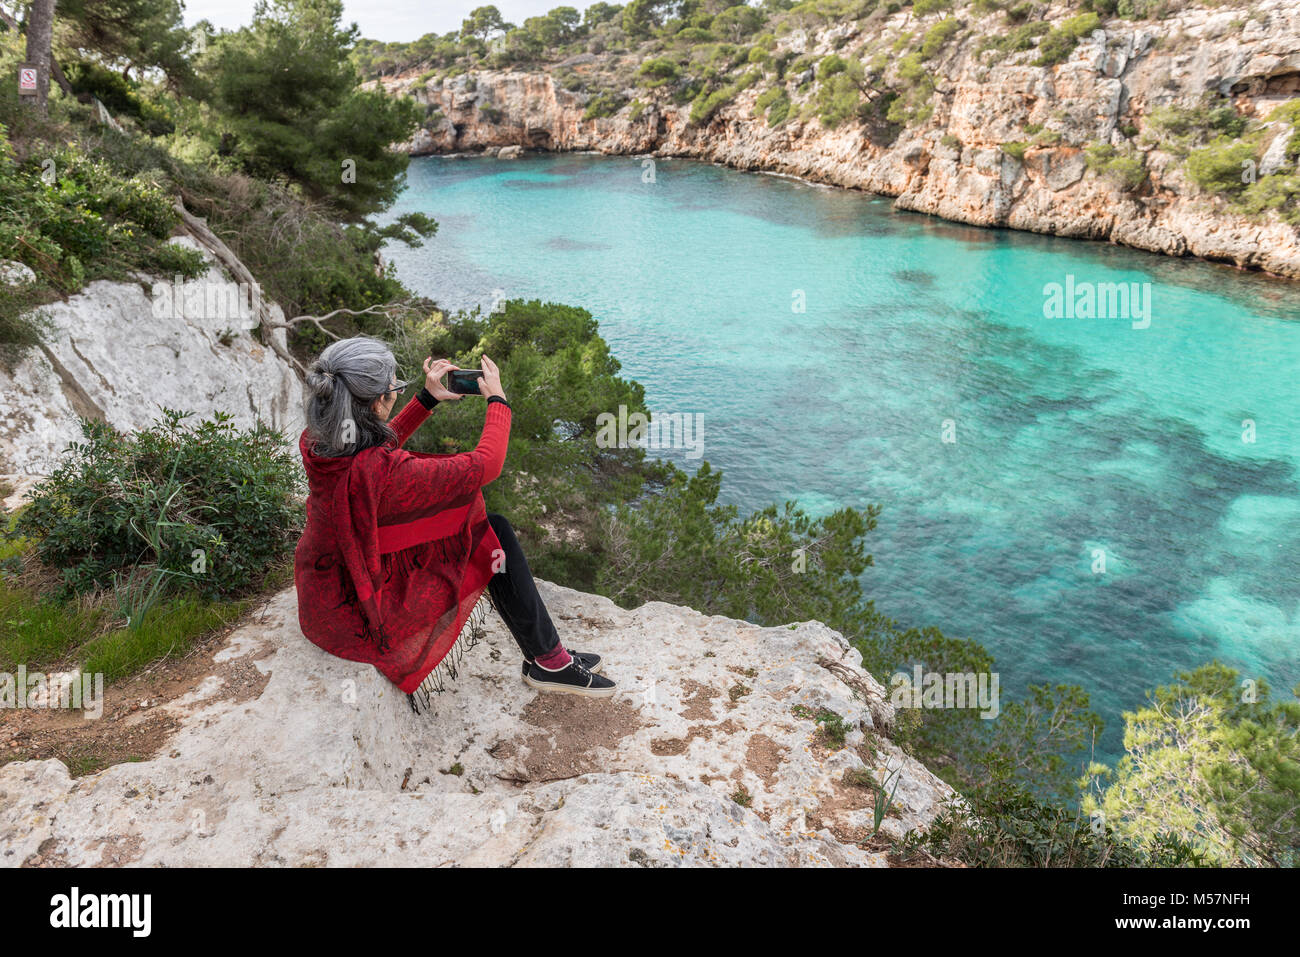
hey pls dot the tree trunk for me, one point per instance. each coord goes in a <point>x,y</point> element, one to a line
<point>40,34</point>
<point>59,78</point>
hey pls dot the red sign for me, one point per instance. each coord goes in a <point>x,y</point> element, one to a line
<point>27,80</point>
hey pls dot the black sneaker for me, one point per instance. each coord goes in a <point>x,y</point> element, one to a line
<point>590,660</point>
<point>575,679</point>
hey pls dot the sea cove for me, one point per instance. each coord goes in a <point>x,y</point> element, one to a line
<point>1101,500</point>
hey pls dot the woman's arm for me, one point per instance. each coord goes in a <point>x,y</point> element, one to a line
<point>410,418</point>
<point>421,484</point>
<point>412,415</point>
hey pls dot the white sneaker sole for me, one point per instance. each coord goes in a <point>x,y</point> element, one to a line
<point>599,665</point>
<point>569,689</point>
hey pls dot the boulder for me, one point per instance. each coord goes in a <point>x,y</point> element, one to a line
<point>13,273</point>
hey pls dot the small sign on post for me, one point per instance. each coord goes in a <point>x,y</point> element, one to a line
<point>27,79</point>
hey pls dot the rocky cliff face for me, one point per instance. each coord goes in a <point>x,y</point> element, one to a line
<point>116,352</point>
<point>284,755</point>
<point>953,165</point>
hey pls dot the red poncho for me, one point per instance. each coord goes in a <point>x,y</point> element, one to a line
<point>397,547</point>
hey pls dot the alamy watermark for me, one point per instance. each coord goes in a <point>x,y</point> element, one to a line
<point>205,300</point>
<point>73,690</point>
<point>947,690</point>
<point>129,911</point>
<point>659,430</point>
<point>1098,300</point>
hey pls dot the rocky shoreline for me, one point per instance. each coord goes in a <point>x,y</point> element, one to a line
<point>954,165</point>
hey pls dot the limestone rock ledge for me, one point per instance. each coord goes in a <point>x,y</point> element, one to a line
<point>328,765</point>
<point>115,354</point>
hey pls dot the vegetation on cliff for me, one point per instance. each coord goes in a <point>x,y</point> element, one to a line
<point>890,67</point>
<point>265,132</point>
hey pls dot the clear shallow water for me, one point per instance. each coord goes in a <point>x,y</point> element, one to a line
<point>1072,435</point>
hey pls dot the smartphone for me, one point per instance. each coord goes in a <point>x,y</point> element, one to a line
<point>464,381</point>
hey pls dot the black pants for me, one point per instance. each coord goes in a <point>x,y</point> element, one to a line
<point>514,593</point>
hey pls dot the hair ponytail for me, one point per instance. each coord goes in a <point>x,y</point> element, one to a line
<point>342,384</point>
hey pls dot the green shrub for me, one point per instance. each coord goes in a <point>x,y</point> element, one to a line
<point>490,113</point>
<point>1289,112</point>
<point>604,103</point>
<point>173,259</point>
<point>910,69</point>
<point>1218,168</point>
<point>924,7</point>
<point>119,96</point>
<point>1180,128</point>
<point>21,326</point>
<point>1141,9</point>
<point>1126,169</point>
<point>706,104</point>
<point>937,36</point>
<point>1278,193</point>
<point>840,98</point>
<point>659,71</point>
<point>694,35</point>
<point>800,65</point>
<point>1020,12</point>
<point>71,219</point>
<point>831,729</point>
<point>1016,150</point>
<point>912,105</point>
<point>775,103</point>
<point>1017,829</point>
<point>1023,36</point>
<point>207,506</point>
<point>830,66</point>
<point>780,111</point>
<point>1057,46</point>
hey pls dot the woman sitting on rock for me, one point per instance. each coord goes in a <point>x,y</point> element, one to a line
<point>398,545</point>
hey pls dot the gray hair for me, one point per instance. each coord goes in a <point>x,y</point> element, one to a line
<point>341,385</point>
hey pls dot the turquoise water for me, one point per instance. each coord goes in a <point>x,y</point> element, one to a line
<point>1072,435</point>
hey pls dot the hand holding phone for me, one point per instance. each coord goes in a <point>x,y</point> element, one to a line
<point>491,384</point>
<point>434,370</point>
<point>464,381</point>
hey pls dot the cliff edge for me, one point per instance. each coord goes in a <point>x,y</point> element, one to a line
<point>711,754</point>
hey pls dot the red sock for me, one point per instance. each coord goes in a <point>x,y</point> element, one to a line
<point>557,660</point>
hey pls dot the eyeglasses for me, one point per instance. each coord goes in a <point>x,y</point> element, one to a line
<point>397,388</point>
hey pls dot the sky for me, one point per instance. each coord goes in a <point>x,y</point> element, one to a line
<point>387,20</point>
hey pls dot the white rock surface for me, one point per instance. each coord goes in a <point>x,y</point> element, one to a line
<point>15,273</point>
<point>329,766</point>
<point>113,355</point>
